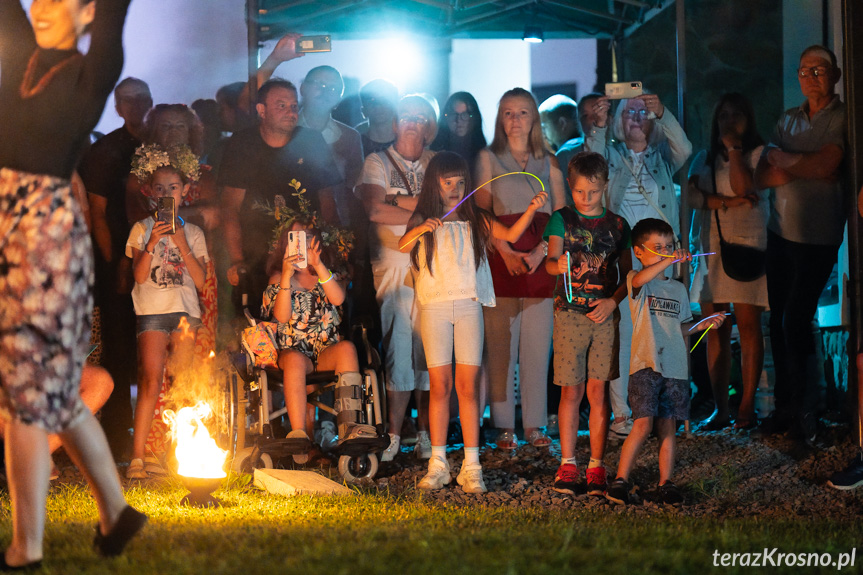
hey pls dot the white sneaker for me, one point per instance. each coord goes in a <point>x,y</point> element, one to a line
<point>438,475</point>
<point>423,447</point>
<point>620,428</point>
<point>470,479</point>
<point>391,451</point>
<point>326,436</point>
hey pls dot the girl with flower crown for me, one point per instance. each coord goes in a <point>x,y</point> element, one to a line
<point>169,262</point>
<point>51,96</point>
<point>169,125</point>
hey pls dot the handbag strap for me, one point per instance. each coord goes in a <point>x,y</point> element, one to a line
<point>716,191</point>
<point>400,171</point>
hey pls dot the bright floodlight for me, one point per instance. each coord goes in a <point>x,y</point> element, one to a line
<point>532,34</point>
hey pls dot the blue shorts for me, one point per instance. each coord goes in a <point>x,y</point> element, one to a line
<point>165,322</point>
<point>651,395</point>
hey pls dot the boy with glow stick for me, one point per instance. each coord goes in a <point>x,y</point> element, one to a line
<point>586,245</point>
<point>659,370</point>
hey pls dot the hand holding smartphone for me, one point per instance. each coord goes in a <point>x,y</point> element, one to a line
<point>297,246</point>
<point>166,211</point>
<point>308,44</point>
<point>621,90</point>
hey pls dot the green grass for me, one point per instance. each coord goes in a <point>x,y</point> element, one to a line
<point>374,533</point>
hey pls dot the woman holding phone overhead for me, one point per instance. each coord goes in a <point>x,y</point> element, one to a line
<point>649,147</point>
<point>51,96</point>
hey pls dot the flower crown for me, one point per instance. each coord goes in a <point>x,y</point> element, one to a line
<point>150,157</point>
<point>340,239</point>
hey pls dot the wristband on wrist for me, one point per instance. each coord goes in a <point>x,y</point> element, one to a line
<point>326,280</point>
<point>151,252</point>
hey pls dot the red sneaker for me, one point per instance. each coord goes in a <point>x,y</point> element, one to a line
<point>565,478</point>
<point>596,481</point>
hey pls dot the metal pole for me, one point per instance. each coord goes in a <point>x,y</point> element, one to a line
<point>681,117</point>
<point>853,53</point>
<point>252,12</point>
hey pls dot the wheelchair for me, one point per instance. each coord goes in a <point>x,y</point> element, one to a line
<point>360,409</point>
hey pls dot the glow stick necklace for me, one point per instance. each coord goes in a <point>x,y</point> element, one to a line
<point>700,338</point>
<point>469,195</point>
<point>567,280</point>
<point>707,318</point>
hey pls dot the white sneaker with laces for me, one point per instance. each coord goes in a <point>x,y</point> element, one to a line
<point>470,479</point>
<point>423,448</point>
<point>620,428</point>
<point>391,451</point>
<point>438,475</point>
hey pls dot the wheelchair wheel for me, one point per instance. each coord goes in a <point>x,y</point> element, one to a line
<point>243,461</point>
<point>357,467</point>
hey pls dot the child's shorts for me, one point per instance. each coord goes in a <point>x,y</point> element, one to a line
<point>165,322</point>
<point>452,326</point>
<point>584,349</point>
<point>651,395</point>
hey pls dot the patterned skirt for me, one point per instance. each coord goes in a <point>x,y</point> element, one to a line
<point>46,274</point>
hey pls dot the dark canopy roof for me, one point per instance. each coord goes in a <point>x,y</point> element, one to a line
<point>479,19</point>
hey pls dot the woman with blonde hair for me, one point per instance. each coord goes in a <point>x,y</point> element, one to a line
<point>518,330</point>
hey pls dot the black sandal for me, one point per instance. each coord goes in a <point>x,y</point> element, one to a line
<point>32,566</point>
<point>128,524</point>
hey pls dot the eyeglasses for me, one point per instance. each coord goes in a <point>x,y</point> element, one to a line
<point>463,116</point>
<point>418,120</point>
<point>814,70</point>
<point>332,89</point>
<point>633,113</point>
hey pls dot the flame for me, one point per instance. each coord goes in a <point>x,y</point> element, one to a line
<point>197,452</point>
<point>186,329</point>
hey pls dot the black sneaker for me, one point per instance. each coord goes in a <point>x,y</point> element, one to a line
<point>670,494</point>
<point>849,478</point>
<point>773,424</point>
<point>804,428</point>
<point>565,479</point>
<point>618,491</point>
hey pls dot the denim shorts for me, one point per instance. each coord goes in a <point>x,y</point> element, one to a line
<point>165,322</point>
<point>652,395</point>
<point>452,326</point>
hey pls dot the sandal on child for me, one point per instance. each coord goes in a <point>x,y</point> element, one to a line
<point>154,467</point>
<point>538,439</point>
<point>507,440</point>
<point>136,470</point>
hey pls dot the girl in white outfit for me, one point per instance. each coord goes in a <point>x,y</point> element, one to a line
<point>452,285</point>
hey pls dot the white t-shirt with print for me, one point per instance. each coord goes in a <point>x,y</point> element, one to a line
<point>169,287</point>
<point>378,170</point>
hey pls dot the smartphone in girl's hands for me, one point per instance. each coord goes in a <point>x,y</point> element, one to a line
<point>297,245</point>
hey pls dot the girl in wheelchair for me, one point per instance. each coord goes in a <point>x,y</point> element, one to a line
<point>304,300</point>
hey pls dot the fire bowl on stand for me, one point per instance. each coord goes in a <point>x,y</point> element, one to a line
<point>200,491</point>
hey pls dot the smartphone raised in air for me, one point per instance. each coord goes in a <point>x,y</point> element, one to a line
<point>166,211</point>
<point>297,245</point>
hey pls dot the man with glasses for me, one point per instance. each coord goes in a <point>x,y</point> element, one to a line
<point>807,218</point>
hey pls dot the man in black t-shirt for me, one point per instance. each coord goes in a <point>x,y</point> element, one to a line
<point>104,170</point>
<point>257,168</point>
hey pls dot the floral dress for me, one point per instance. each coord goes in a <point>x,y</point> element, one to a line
<point>314,320</point>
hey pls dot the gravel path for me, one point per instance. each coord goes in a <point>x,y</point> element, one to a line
<point>723,474</point>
